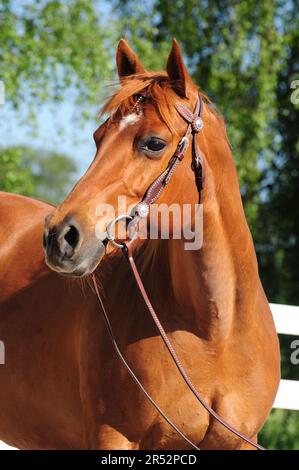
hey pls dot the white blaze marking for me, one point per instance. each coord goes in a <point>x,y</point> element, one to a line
<point>129,120</point>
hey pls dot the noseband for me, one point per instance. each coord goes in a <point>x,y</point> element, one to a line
<point>140,211</point>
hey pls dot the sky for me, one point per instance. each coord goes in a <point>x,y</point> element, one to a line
<point>75,141</point>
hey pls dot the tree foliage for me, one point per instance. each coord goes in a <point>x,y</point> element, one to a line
<point>49,47</point>
<point>280,210</point>
<point>13,177</point>
<point>45,175</point>
<point>281,431</point>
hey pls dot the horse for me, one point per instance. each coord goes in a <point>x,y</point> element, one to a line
<point>62,385</point>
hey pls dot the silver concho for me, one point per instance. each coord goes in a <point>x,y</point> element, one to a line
<point>197,124</point>
<point>142,209</point>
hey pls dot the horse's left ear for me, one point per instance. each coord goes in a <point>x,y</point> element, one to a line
<point>127,61</point>
<point>177,71</point>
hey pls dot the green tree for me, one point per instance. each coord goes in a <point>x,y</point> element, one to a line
<point>13,177</point>
<point>50,47</point>
<point>281,204</point>
<point>281,431</point>
<point>50,51</point>
<point>45,175</point>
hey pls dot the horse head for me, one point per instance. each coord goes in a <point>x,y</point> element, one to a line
<point>133,146</point>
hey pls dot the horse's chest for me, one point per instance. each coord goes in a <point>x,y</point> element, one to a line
<point>158,374</point>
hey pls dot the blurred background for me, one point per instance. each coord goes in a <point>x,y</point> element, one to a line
<point>57,62</point>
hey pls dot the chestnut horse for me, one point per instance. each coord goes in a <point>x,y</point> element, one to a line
<point>62,386</point>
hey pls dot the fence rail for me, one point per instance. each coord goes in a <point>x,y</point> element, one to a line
<point>286,318</point>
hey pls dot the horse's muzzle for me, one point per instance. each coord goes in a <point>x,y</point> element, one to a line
<point>68,250</point>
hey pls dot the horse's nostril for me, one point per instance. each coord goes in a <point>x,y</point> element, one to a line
<point>72,236</point>
<point>44,240</point>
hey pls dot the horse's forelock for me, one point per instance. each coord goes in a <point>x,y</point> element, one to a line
<point>159,89</point>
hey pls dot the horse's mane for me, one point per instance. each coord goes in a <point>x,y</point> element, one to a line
<point>159,90</point>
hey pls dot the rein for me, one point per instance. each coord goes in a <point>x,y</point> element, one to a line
<point>141,210</point>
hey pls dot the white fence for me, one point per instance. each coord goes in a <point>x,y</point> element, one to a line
<point>286,319</point>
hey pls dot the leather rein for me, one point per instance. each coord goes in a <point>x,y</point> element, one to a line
<point>141,210</point>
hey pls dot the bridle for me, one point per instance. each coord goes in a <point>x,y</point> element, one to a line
<point>141,211</point>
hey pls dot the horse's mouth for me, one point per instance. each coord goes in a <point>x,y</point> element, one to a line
<point>82,264</point>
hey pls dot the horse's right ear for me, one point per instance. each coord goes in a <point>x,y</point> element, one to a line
<point>127,61</point>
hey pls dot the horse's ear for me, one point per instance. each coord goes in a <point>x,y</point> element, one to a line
<point>177,71</point>
<point>127,61</point>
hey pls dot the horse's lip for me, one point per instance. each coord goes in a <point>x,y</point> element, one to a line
<point>80,270</point>
<point>85,266</point>
<point>76,273</point>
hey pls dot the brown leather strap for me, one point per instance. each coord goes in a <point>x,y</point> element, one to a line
<point>129,256</point>
<point>195,125</point>
<point>132,374</point>
<point>159,184</point>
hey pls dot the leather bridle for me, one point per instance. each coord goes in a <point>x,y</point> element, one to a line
<point>140,211</point>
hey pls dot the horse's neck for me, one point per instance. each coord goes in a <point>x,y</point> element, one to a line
<point>215,287</point>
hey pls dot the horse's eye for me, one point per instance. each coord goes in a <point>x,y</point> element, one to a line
<point>153,145</point>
